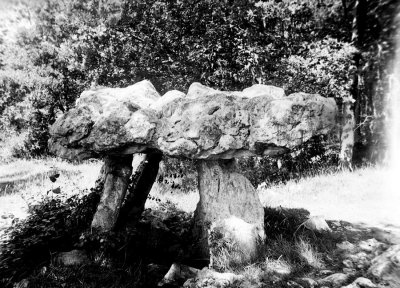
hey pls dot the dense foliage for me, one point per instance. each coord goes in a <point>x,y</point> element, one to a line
<point>55,225</point>
<point>316,156</point>
<point>119,258</point>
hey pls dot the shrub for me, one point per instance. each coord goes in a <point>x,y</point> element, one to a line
<point>317,155</point>
<point>178,174</point>
<point>280,222</point>
<point>54,225</point>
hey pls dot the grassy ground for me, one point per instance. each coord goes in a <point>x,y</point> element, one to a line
<point>21,175</point>
<point>367,196</point>
<point>25,183</point>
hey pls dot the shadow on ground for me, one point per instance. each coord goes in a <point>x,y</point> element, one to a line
<point>140,256</point>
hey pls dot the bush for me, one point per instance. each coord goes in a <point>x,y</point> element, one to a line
<point>318,155</point>
<point>54,225</point>
<point>282,223</point>
<point>178,174</point>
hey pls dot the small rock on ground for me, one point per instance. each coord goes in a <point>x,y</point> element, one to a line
<point>72,258</point>
<point>208,278</point>
<point>387,266</point>
<point>307,282</point>
<point>361,282</point>
<point>178,274</point>
<point>334,280</point>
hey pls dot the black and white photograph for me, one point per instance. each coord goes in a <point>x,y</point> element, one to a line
<point>200,143</point>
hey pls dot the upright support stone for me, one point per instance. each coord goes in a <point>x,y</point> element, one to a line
<point>117,171</point>
<point>227,201</point>
<point>144,176</point>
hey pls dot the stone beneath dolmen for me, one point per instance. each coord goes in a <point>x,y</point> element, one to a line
<point>226,195</point>
<point>242,238</point>
<point>204,124</point>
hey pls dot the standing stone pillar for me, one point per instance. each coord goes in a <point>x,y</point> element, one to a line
<point>228,202</point>
<point>116,173</point>
<point>144,176</point>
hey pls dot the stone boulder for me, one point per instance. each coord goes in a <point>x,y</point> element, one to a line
<point>207,278</point>
<point>72,258</point>
<point>335,280</point>
<point>228,204</point>
<point>204,124</point>
<point>241,238</point>
<point>178,274</point>
<point>361,282</point>
<point>387,266</point>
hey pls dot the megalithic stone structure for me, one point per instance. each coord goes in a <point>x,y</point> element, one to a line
<point>212,126</point>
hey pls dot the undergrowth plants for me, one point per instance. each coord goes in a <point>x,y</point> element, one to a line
<point>162,236</point>
<point>225,253</point>
<point>55,225</point>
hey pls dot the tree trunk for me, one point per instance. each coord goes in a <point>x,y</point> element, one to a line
<point>358,37</point>
<point>227,199</point>
<point>144,176</point>
<point>347,135</point>
<point>116,172</point>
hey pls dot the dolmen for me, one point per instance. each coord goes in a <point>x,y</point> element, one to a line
<point>214,127</point>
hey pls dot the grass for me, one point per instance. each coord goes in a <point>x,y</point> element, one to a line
<point>362,196</point>
<point>22,175</point>
<point>308,253</point>
<point>368,195</point>
<point>25,183</point>
<point>183,201</point>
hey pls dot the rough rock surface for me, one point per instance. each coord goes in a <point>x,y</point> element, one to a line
<point>105,120</point>
<point>116,171</point>
<point>387,266</point>
<point>307,282</point>
<point>178,273</point>
<point>335,280</point>
<point>361,282</point>
<point>204,124</point>
<point>207,278</point>
<point>241,236</point>
<point>72,258</point>
<point>226,195</point>
<point>143,177</point>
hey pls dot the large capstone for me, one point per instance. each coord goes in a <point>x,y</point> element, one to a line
<point>204,124</point>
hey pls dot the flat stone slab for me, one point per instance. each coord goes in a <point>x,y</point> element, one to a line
<point>203,124</point>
